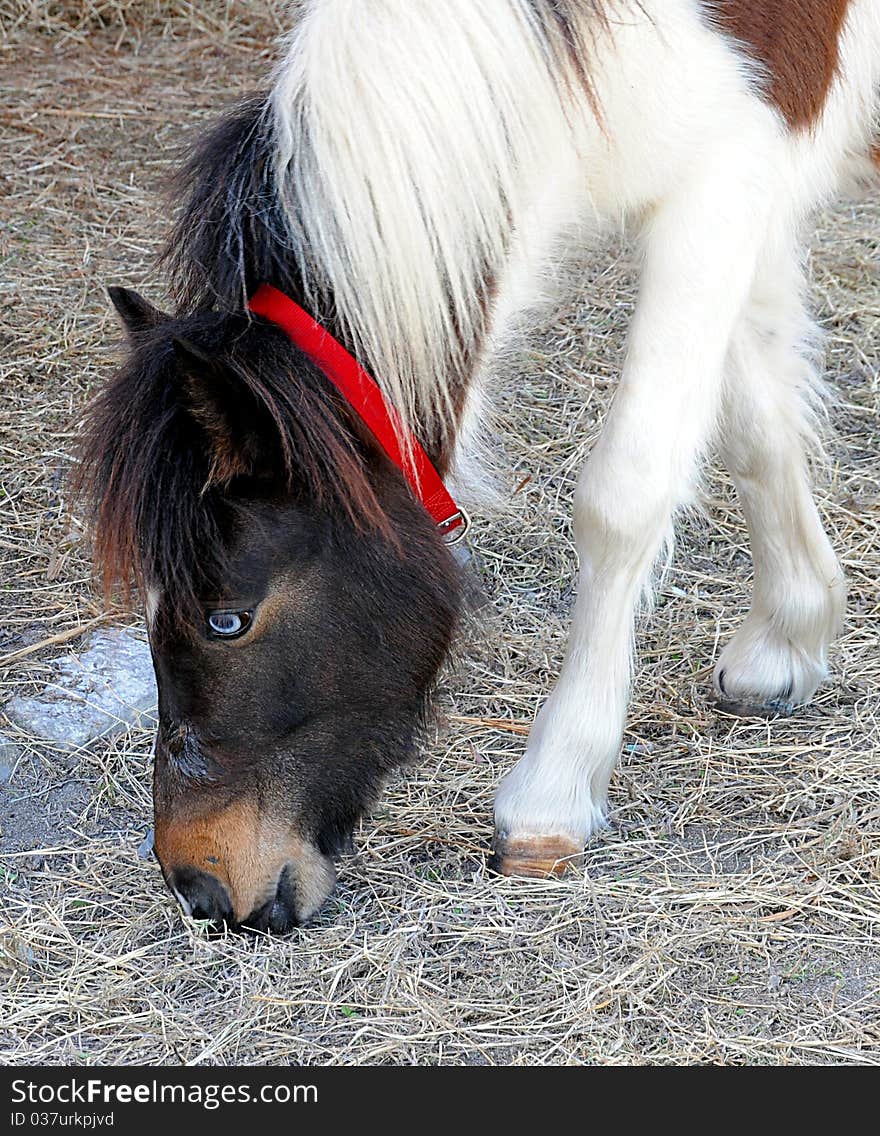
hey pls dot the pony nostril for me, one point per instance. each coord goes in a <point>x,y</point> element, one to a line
<point>277,914</point>
<point>202,896</point>
<point>283,916</point>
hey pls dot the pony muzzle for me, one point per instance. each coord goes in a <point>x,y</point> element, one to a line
<point>237,870</point>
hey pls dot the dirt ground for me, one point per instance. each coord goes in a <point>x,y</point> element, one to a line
<point>730,914</point>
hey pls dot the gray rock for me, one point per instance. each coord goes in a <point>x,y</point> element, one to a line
<point>9,751</point>
<point>98,691</point>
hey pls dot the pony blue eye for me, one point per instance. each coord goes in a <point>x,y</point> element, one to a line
<point>228,624</point>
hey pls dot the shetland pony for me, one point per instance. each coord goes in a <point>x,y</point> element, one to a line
<point>405,181</point>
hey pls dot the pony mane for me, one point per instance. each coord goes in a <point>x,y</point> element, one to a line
<point>381,180</point>
<point>163,492</point>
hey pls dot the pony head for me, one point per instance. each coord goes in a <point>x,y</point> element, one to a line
<point>300,603</point>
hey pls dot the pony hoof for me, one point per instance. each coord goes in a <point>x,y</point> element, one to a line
<point>534,856</point>
<point>772,708</point>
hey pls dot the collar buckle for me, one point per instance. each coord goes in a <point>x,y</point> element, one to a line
<point>456,527</point>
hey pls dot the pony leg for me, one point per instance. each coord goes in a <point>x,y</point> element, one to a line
<point>778,656</point>
<point>701,252</point>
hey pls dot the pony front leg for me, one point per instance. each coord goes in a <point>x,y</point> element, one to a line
<point>701,252</point>
<point>554,799</point>
<point>778,656</point>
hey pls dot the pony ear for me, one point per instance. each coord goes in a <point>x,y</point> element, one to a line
<point>137,314</point>
<point>226,410</point>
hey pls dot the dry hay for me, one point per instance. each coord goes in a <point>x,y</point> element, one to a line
<point>729,915</point>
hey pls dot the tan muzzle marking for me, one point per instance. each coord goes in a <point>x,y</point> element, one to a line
<point>245,851</point>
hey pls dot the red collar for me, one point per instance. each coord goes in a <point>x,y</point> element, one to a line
<point>362,392</point>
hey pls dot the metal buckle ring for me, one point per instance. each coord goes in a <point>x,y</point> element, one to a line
<point>458,533</point>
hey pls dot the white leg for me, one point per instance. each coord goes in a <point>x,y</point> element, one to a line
<point>701,252</point>
<point>778,656</point>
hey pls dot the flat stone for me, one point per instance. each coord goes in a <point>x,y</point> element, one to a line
<point>9,751</point>
<point>96,692</point>
<point>145,848</point>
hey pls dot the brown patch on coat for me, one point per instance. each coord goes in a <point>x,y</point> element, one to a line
<point>797,41</point>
